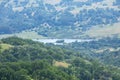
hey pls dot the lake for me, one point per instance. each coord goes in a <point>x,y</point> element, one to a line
<point>55,41</point>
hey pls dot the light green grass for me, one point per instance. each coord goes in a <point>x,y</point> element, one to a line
<point>4,47</point>
<point>24,34</point>
<point>29,35</point>
<point>104,31</point>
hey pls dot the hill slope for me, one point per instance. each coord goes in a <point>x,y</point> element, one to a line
<point>50,18</point>
<point>106,50</point>
<point>28,60</point>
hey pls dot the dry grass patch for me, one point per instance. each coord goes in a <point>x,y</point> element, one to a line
<point>61,64</point>
<point>4,47</point>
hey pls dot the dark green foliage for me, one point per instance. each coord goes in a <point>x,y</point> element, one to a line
<point>28,60</point>
<point>37,70</point>
<point>107,50</point>
<point>17,41</point>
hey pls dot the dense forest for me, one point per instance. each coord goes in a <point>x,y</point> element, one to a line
<point>23,59</point>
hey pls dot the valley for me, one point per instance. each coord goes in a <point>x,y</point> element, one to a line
<point>59,40</point>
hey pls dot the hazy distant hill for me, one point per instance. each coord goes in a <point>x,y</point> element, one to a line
<point>52,17</point>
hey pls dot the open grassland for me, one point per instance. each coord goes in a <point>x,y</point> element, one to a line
<point>4,47</point>
<point>24,34</point>
<point>104,31</point>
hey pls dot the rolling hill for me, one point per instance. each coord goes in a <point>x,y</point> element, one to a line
<point>53,18</point>
<point>29,60</point>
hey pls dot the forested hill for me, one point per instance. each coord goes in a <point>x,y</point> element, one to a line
<point>49,18</point>
<point>107,50</point>
<point>28,60</point>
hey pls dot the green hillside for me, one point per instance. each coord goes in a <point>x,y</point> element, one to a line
<point>106,50</point>
<point>29,60</point>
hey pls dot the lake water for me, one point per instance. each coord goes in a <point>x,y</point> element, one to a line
<point>54,41</point>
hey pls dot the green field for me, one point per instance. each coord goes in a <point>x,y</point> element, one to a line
<point>104,31</point>
<point>4,46</point>
<point>24,34</point>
